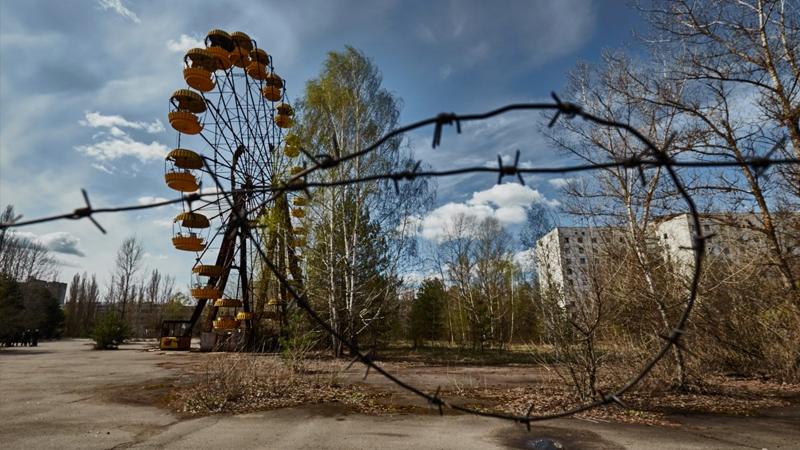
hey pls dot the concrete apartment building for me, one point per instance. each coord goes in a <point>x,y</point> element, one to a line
<point>55,288</point>
<point>567,256</point>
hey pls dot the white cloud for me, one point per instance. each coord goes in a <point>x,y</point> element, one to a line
<point>117,147</point>
<point>149,200</point>
<point>116,143</point>
<point>508,195</point>
<point>504,202</point>
<point>119,8</point>
<point>560,182</point>
<point>114,122</point>
<point>58,242</point>
<point>184,43</point>
<point>104,168</point>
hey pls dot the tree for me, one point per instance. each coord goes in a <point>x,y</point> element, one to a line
<point>71,308</point>
<point>356,244</point>
<point>621,196</point>
<point>426,318</point>
<point>128,263</point>
<point>731,68</point>
<point>43,312</point>
<point>12,308</point>
<point>22,258</point>
<point>110,331</point>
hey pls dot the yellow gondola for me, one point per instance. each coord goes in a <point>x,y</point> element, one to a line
<point>242,40</point>
<point>228,303</point>
<point>205,292</point>
<point>208,270</point>
<point>273,85</point>
<point>295,170</point>
<point>257,68</point>
<point>192,220</point>
<point>240,55</point>
<point>244,315</point>
<point>299,230</point>
<point>188,103</point>
<point>222,57</point>
<point>298,213</point>
<point>185,159</point>
<point>284,115</point>
<point>199,65</point>
<point>190,243</point>
<point>181,181</point>
<point>220,39</point>
<point>225,323</point>
<point>178,176</point>
<point>300,201</point>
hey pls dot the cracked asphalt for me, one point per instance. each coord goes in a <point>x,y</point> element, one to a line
<point>63,395</point>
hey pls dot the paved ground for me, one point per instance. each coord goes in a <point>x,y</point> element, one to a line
<point>58,396</point>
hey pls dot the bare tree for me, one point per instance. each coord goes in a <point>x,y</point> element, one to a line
<point>619,196</point>
<point>736,65</point>
<point>128,262</point>
<point>20,257</point>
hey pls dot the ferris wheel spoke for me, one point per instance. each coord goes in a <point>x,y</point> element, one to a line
<point>239,112</point>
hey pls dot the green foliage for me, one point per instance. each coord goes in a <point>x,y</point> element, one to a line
<point>175,308</point>
<point>12,308</point>
<point>355,243</point>
<point>297,342</point>
<point>426,319</point>
<point>110,331</point>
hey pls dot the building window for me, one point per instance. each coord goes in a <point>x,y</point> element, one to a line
<point>621,240</point>
<point>594,240</point>
<point>580,249</point>
<point>569,260</point>
<point>566,240</point>
<point>706,228</point>
<point>580,240</point>
<point>665,236</point>
<point>569,270</point>
<point>583,260</point>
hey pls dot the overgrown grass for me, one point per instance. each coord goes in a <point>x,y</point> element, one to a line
<point>443,353</point>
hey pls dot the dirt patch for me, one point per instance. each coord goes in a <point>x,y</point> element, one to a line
<point>233,383</point>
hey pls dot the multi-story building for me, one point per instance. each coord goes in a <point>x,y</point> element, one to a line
<point>56,289</point>
<point>733,237</point>
<point>568,256</point>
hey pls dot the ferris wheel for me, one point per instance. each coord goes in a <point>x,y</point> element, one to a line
<point>233,138</point>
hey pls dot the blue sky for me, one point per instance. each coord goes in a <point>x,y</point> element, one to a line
<point>84,87</point>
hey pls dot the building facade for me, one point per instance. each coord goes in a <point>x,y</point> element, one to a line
<point>55,288</point>
<point>567,257</point>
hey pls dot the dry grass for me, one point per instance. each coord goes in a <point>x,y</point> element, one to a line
<point>237,383</point>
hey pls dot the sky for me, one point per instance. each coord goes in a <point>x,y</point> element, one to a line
<point>84,89</point>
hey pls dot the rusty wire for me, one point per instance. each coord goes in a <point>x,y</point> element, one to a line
<point>652,157</point>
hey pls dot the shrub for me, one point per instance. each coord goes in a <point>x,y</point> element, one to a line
<point>110,331</point>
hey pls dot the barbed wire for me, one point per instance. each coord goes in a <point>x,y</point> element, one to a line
<point>652,157</point>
